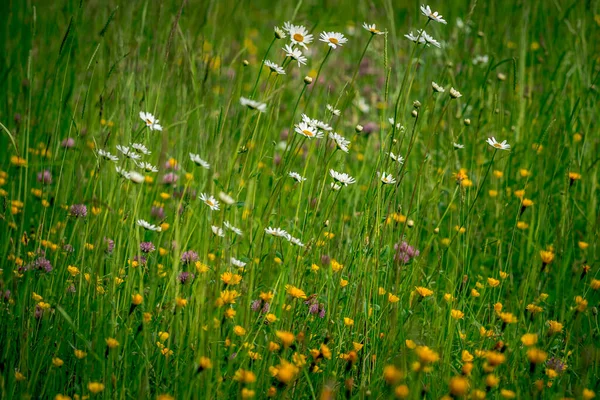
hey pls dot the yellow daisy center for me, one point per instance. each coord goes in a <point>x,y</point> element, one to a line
<point>148,122</point>
<point>308,133</point>
<point>298,37</point>
<point>210,203</point>
<point>334,40</point>
<point>497,145</point>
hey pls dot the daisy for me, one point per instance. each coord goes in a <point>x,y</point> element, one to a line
<point>253,105</point>
<point>296,241</point>
<point>455,94</point>
<point>437,88</point>
<point>481,60</point>
<point>430,40</point>
<point>146,166</point>
<point>124,173</point>
<point>225,198</point>
<point>277,232</point>
<point>128,153</point>
<point>387,179</point>
<point>335,186</point>
<point>397,158</point>
<point>217,231</point>
<point>275,68</point>
<point>434,16</point>
<point>107,156</point>
<point>279,33</point>
<point>140,148</point>
<point>232,228</point>
<point>295,54</point>
<point>298,34</point>
<point>198,161</point>
<point>333,110</point>
<point>333,39</point>
<point>372,28</point>
<point>237,263</point>
<point>150,121</point>
<point>341,142</point>
<point>322,125</point>
<point>501,146</point>
<point>296,176</point>
<point>392,121</point>
<point>148,226</point>
<point>210,201</point>
<point>342,178</point>
<point>308,131</point>
<point>417,39</point>
<point>136,177</point>
<point>458,146</point>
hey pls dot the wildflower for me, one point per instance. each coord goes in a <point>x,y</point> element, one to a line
<point>555,327</point>
<point>57,362</point>
<point>274,67</point>
<point>308,131</point>
<point>500,146</point>
<point>237,263</point>
<point>79,353</point>
<point>341,142</point>
<point>536,356</point>
<point>437,88</point>
<point>225,198</point>
<point>493,282</point>
<point>44,177</point>
<point>333,39</point>
<point>210,201</point>
<point>455,94</point>
<point>296,176</point>
<point>217,231</point>
<point>111,343</point>
<point>547,256</point>
<point>140,148</point>
<point>298,34</point>
<point>333,110</point>
<point>78,210</point>
<point>457,314</point>
<point>387,179</point>
<point>146,225</point>
<point>399,159</point>
<point>185,277</point>
<point>581,303</point>
<point>404,252</point>
<point>239,330</point>
<point>434,16</point>
<point>426,355</point>
<point>95,387</point>
<point>127,152</point>
<point>529,339</point>
<point>285,372</point>
<point>588,394</point>
<point>296,241</point>
<point>277,232</point>
<point>372,28</point>
<point>458,146</point>
<point>294,54</point>
<point>147,247</point>
<point>342,178</point>
<point>392,375</point>
<point>423,291</point>
<point>287,338</point>
<point>417,39</point>
<point>253,105</point>
<point>189,257</point>
<point>150,121</point>
<point>295,292</point>
<point>232,228</point>
<point>459,385</point>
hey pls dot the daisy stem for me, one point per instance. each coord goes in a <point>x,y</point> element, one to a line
<point>262,64</point>
<point>317,77</point>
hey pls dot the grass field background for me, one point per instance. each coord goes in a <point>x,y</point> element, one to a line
<point>472,273</point>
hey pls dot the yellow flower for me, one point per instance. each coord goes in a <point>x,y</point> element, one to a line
<point>426,355</point>
<point>163,336</point>
<point>423,291</point>
<point>466,356</point>
<point>459,385</point>
<point>229,278</point>
<point>507,394</point>
<point>227,297</point>
<point>581,303</point>
<point>595,284</point>
<point>287,338</point>
<point>348,321</point>
<point>295,292</point>
<point>181,302</point>
<point>239,331</point>
<point>36,297</point>
<point>336,266</point>
<point>555,327</point>
<point>588,394</point>
<point>536,356</point>
<point>137,299</point>
<point>493,282</point>
<point>112,343</point>
<point>393,298</point>
<point>95,387</point>
<point>19,376</point>
<point>402,391</point>
<point>547,256</point>
<point>410,344</point>
<point>457,314</point>
<point>529,339</point>
<point>204,363</point>
<point>80,353</point>
<point>57,362</point>
<point>74,271</point>
<point>582,245</point>
<point>270,318</point>
<point>392,375</point>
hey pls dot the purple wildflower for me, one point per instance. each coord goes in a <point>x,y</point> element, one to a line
<point>45,177</point>
<point>110,245</point>
<point>189,257</point>
<point>68,248</point>
<point>185,276</point>
<point>42,263</point>
<point>256,305</point>
<point>157,212</point>
<point>68,143</point>
<point>170,178</point>
<point>404,252</point>
<point>147,247</point>
<point>78,210</point>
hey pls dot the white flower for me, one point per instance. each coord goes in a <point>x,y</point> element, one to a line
<point>150,121</point>
<point>128,153</point>
<point>342,178</point>
<point>333,110</point>
<point>146,166</point>
<point>225,198</point>
<point>277,232</point>
<point>480,60</point>
<point>274,67</point>
<point>458,146</point>
<point>124,173</point>
<point>140,148</point>
<point>398,158</point>
<point>341,142</point>
<point>309,131</point>
<point>232,228</point>
<point>136,177</point>
<point>455,94</point>
<point>430,40</point>
<point>295,54</point>
<point>298,34</point>
<point>148,226</point>
<point>333,39</point>
<point>335,186</point>
<point>279,33</point>
<point>415,38</point>
<point>210,201</point>
<point>253,105</point>
<point>501,146</point>
<point>387,179</point>
<point>437,88</point>
<point>237,263</point>
<point>198,161</point>
<point>296,241</point>
<point>217,231</point>
<point>432,15</point>
<point>315,123</point>
<point>296,176</point>
<point>372,28</point>
<point>362,105</point>
<point>107,156</point>
<point>391,121</point>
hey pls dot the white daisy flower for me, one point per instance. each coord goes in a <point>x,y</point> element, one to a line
<point>107,156</point>
<point>333,39</point>
<point>295,54</point>
<point>481,60</point>
<point>296,241</point>
<point>398,158</point>
<point>146,166</point>
<point>198,161</point>
<point>434,16</point>
<point>140,148</point>
<point>128,152</point>
<point>210,201</point>
<point>253,105</point>
<point>136,177</point>
<point>372,28</point>
<point>315,123</point>
<point>150,121</point>
<point>430,40</point>
<point>455,94</point>
<point>296,176</point>
<point>237,263</point>
<point>458,146</point>
<point>217,231</point>
<point>148,226</point>
<point>391,121</point>
<point>342,178</point>
<point>387,179</point>
<point>335,186</point>
<point>279,33</point>
<point>274,67</point>
<point>298,34</point>
<point>308,131</point>
<point>232,228</point>
<point>362,105</point>
<point>418,38</point>
<point>437,88</point>
<point>341,142</point>
<point>277,232</point>
<point>333,110</point>
<point>124,173</point>
<point>225,198</point>
<point>500,146</point>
